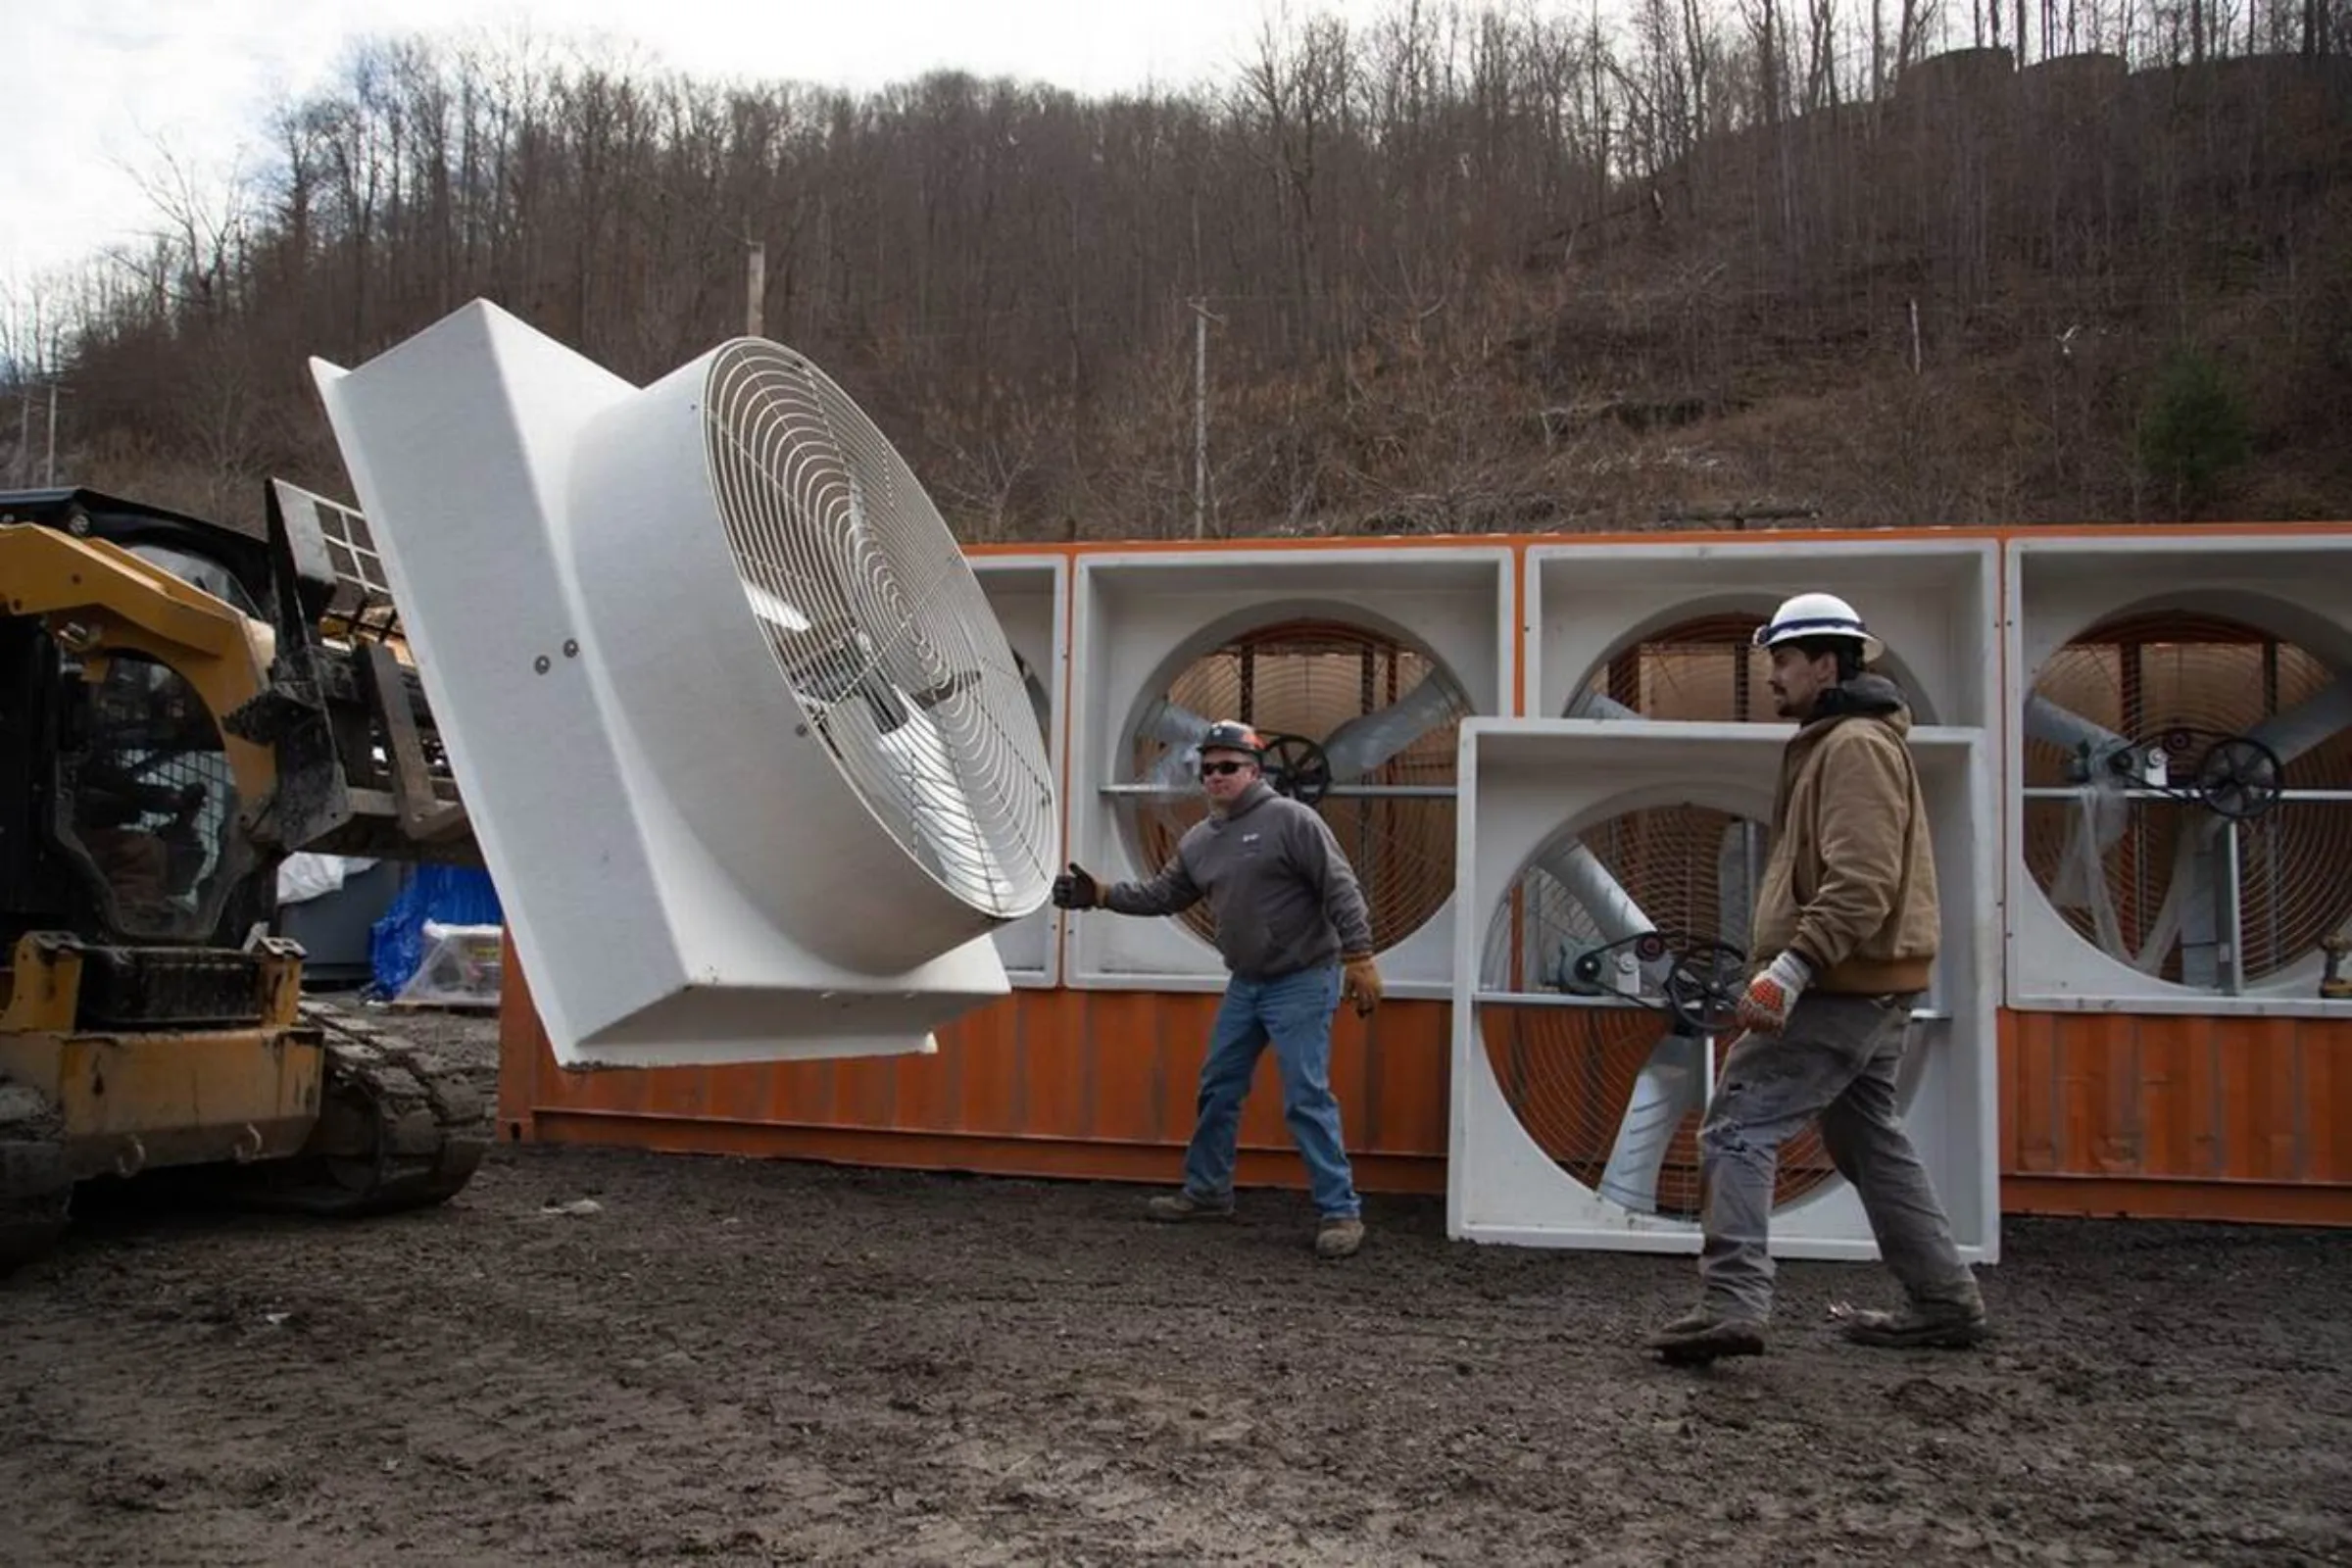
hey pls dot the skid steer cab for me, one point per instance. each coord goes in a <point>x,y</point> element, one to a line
<point>182,704</point>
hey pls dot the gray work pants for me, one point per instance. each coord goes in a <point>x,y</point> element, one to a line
<point>1836,1060</point>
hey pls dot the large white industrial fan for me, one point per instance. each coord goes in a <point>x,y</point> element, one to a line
<point>749,756</point>
<point>1608,865</point>
<point>1356,663</point>
<point>2181,775</point>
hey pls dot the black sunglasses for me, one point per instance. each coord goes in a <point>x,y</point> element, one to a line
<point>1221,767</point>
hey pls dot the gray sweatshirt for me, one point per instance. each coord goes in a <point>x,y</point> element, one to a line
<point>1284,897</point>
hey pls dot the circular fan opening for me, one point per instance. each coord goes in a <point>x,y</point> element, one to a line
<point>1604,1053</point>
<point>1365,723</point>
<point>879,627</point>
<point>2138,772</point>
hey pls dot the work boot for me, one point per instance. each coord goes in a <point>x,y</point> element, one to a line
<point>1338,1236</point>
<point>1701,1335</point>
<point>1182,1205</point>
<point>1921,1325</point>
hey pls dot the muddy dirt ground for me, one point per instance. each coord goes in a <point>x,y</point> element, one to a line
<point>736,1362</point>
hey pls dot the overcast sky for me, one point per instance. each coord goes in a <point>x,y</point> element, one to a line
<point>102,88</point>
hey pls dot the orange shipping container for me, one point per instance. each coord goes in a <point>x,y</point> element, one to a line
<point>2184,1116</point>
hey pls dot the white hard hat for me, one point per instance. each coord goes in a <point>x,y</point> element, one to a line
<point>1817,616</point>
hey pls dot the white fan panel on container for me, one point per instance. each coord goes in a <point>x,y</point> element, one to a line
<point>2180,780</point>
<point>1372,655</point>
<point>1641,1078</point>
<point>1030,596</point>
<point>1530,787</point>
<point>749,758</point>
<point>1933,602</point>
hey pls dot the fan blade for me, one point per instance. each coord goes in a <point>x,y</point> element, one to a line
<point>1667,1090</point>
<point>2314,721</point>
<point>2080,881</point>
<point>1363,742</point>
<point>2047,720</point>
<point>1179,729</point>
<point>1614,913</point>
<point>1589,704</point>
<point>1172,724</point>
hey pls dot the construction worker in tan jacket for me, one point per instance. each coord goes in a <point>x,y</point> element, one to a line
<point>1845,930</point>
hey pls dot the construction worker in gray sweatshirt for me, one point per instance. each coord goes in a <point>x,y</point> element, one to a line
<point>1296,937</point>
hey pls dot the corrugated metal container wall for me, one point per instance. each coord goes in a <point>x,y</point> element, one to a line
<point>2178,1117</point>
<point>2187,1118</point>
<point>2225,1118</point>
<point>1046,1083</point>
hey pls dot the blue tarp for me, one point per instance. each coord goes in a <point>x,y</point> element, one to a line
<point>453,895</point>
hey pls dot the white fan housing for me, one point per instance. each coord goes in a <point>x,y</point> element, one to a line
<point>1030,594</point>
<point>1142,618</point>
<point>2062,586</point>
<point>1526,781</point>
<point>1934,603</point>
<point>748,757</point>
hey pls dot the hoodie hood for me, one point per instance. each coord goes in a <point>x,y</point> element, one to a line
<point>1866,695</point>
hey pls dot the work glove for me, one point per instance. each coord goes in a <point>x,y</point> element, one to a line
<point>1075,890</point>
<point>1764,1008</point>
<point>1361,982</point>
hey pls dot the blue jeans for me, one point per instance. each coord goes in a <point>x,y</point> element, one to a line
<point>1295,1013</point>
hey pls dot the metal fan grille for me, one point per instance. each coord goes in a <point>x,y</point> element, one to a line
<point>2145,877</point>
<point>879,627</point>
<point>1611,1089</point>
<point>1703,670</point>
<point>1395,821</point>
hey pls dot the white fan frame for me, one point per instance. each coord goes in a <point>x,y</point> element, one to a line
<point>1935,604</point>
<point>1524,779</point>
<point>1139,617</point>
<point>686,876</point>
<point>1030,593</point>
<point>2060,586</point>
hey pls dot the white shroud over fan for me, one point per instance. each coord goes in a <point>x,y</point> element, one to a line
<point>752,763</point>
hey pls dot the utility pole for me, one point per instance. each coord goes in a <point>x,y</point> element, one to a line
<point>49,471</point>
<point>1201,321</point>
<point>755,288</point>
<point>24,439</point>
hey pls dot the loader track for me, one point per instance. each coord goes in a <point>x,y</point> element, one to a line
<point>396,1130</point>
<point>36,1194</point>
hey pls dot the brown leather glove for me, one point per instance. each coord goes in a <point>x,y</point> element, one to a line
<point>1362,983</point>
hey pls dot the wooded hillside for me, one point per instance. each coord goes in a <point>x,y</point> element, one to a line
<point>1463,270</point>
